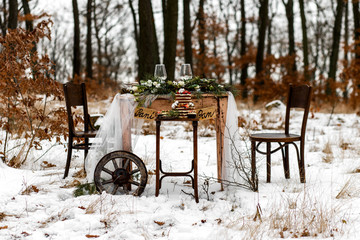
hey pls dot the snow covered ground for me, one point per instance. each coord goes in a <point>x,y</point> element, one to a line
<point>39,204</point>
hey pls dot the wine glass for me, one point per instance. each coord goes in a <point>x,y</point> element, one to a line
<point>160,72</point>
<point>185,72</point>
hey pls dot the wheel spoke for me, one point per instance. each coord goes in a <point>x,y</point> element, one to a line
<point>115,189</point>
<point>134,171</point>
<point>115,163</point>
<point>134,183</point>
<point>126,163</point>
<point>107,182</point>
<point>107,171</point>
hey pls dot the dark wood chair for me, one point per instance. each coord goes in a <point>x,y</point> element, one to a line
<point>75,95</point>
<point>298,97</point>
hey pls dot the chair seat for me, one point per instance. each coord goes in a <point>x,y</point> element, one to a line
<point>87,134</point>
<point>274,137</point>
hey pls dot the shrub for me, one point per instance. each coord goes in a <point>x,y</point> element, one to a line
<point>27,89</point>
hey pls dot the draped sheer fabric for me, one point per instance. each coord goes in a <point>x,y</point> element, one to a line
<point>119,130</point>
<point>119,119</point>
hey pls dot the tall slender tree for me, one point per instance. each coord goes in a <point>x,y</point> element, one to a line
<point>187,33</point>
<point>243,48</point>
<point>289,5</point>
<point>263,21</point>
<point>28,22</point>
<point>335,47</point>
<point>201,38</point>
<point>148,45</point>
<point>356,14</point>
<point>77,53</point>
<point>89,55</point>
<point>13,14</point>
<point>304,40</point>
<point>170,11</point>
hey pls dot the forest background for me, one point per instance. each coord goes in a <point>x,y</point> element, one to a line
<point>258,46</point>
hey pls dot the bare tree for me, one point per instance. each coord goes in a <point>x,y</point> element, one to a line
<point>187,33</point>
<point>4,18</point>
<point>201,38</point>
<point>244,69</point>
<point>356,13</point>
<point>13,14</point>
<point>28,22</point>
<point>263,21</point>
<point>148,51</point>
<point>304,41</point>
<point>289,5</point>
<point>170,11</point>
<point>89,55</point>
<point>335,47</point>
<point>77,52</point>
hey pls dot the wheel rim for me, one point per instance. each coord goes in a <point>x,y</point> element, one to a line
<point>121,172</point>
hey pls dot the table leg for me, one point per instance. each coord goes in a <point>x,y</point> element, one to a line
<point>157,170</point>
<point>268,162</point>
<point>195,125</point>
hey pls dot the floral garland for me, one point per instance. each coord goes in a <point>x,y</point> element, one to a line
<point>195,85</point>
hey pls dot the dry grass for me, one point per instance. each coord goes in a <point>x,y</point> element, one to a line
<point>350,189</point>
<point>294,216</point>
<point>329,157</point>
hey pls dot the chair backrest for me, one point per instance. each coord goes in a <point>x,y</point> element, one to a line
<point>298,97</point>
<point>75,95</point>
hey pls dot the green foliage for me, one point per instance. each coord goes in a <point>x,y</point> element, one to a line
<point>85,189</point>
<point>196,85</point>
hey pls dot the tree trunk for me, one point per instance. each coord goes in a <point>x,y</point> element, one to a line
<point>4,20</point>
<point>148,51</point>
<point>170,36</point>
<point>356,13</point>
<point>89,55</point>
<point>77,55</point>
<point>346,49</point>
<point>201,35</point>
<point>290,17</point>
<point>28,23</point>
<point>263,20</point>
<point>136,33</point>
<point>187,33</point>
<point>304,41</point>
<point>244,68</point>
<point>335,48</point>
<point>13,14</point>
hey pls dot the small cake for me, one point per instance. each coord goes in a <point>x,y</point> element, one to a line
<point>183,103</point>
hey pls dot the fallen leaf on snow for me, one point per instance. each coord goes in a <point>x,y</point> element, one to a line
<point>159,223</point>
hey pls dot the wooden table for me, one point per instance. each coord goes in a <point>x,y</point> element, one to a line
<point>206,100</point>
<point>158,171</point>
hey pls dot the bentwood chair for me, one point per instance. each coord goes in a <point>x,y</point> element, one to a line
<point>75,95</point>
<point>298,97</point>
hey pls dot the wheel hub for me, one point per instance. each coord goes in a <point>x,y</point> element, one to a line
<point>120,176</point>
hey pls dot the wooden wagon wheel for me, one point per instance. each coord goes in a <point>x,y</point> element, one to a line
<point>119,170</point>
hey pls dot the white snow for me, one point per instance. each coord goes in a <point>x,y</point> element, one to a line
<point>287,208</point>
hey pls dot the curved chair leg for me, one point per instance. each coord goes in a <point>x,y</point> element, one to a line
<point>302,163</point>
<point>253,166</point>
<point>286,163</point>
<point>68,160</point>
<point>268,161</point>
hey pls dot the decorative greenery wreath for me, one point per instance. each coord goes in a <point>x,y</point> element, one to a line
<point>195,85</point>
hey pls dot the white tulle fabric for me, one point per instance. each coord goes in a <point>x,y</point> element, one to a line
<point>120,118</point>
<point>231,137</point>
<point>118,121</point>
